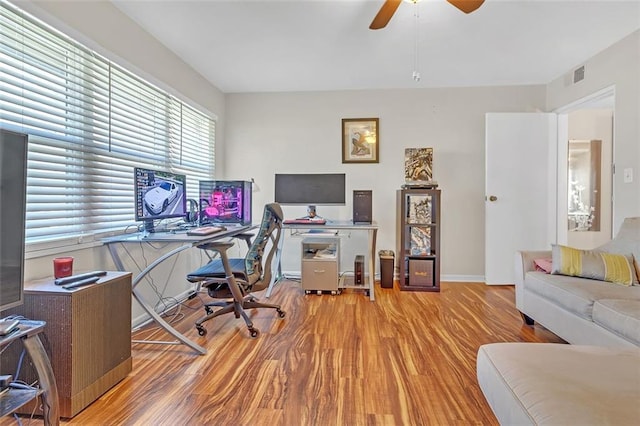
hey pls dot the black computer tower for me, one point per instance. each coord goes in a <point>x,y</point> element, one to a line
<point>358,268</point>
<point>362,206</point>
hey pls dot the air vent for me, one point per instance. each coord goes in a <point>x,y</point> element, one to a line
<point>578,74</point>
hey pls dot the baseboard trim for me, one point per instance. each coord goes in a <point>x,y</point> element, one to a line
<point>462,278</point>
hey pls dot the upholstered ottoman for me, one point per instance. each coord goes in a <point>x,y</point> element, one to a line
<point>556,384</point>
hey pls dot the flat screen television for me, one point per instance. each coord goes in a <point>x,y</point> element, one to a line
<point>225,202</point>
<point>310,189</point>
<point>13,201</point>
<point>159,195</point>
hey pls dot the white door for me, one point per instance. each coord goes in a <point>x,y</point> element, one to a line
<point>520,184</point>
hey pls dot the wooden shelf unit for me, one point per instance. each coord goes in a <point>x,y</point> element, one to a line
<point>419,239</point>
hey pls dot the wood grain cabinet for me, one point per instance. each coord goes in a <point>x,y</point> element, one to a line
<point>87,336</point>
<point>419,239</point>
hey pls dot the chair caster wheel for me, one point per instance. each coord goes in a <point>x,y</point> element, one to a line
<point>208,310</point>
<point>281,313</point>
<point>253,332</point>
<point>201,330</point>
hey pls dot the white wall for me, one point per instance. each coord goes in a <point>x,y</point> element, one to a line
<point>618,65</point>
<point>301,132</point>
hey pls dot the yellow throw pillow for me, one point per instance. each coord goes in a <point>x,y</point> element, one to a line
<point>597,265</point>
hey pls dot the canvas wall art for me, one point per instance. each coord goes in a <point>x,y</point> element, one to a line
<point>418,164</point>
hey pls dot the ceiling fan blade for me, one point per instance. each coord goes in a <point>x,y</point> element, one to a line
<point>384,14</point>
<point>467,6</point>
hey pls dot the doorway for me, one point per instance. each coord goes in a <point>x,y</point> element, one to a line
<point>585,171</point>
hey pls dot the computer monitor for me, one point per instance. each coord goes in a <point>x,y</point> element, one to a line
<point>13,184</point>
<point>225,202</point>
<point>159,195</point>
<point>310,189</point>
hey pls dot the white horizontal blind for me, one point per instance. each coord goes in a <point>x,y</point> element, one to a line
<point>90,123</point>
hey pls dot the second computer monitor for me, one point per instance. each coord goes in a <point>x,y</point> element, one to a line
<point>225,202</point>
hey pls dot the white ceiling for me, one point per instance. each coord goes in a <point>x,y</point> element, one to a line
<point>309,45</point>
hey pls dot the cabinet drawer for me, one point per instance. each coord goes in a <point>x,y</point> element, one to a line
<point>320,275</point>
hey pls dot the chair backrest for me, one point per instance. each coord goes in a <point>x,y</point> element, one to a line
<point>257,265</point>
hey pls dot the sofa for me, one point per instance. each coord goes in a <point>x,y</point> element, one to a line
<point>582,310</point>
<point>557,384</point>
<point>596,379</point>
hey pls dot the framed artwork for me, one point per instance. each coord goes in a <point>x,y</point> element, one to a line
<point>360,142</point>
<point>420,241</point>
<point>419,209</point>
<point>418,164</point>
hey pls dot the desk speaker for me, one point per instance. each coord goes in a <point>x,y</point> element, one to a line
<point>362,206</point>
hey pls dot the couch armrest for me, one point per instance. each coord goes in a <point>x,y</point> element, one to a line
<point>523,264</point>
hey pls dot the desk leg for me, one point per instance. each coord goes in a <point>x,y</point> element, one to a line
<point>148,308</point>
<point>372,263</point>
<point>162,323</point>
<point>50,407</point>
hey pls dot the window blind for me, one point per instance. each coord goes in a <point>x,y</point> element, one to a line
<point>90,122</point>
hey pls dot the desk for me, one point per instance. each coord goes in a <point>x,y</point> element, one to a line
<point>372,231</point>
<point>187,242</point>
<point>13,399</point>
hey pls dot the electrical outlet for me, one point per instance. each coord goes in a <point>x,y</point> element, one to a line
<point>628,175</point>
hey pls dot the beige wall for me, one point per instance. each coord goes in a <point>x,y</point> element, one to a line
<point>301,132</point>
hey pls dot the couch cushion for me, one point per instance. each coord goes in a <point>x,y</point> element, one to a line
<point>598,265</point>
<point>627,240</point>
<point>619,316</point>
<point>576,295</point>
<point>555,384</point>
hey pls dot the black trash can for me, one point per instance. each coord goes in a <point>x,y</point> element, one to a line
<point>386,268</point>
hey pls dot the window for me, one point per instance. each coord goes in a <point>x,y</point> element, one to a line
<point>89,123</point>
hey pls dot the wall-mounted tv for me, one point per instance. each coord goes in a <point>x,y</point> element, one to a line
<point>13,184</point>
<point>159,195</point>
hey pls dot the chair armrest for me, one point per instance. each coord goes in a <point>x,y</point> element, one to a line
<point>523,264</point>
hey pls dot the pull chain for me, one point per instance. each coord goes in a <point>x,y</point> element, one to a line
<point>416,51</point>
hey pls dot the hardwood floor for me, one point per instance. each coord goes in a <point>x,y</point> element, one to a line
<point>406,359</point>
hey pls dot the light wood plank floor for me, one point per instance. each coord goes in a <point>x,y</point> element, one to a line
<point>406,359</point>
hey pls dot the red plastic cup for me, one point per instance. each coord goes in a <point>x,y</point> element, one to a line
<point>62,267</point>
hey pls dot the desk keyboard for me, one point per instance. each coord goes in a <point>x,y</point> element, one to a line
<point>305,222</point>
<point>206,230</point>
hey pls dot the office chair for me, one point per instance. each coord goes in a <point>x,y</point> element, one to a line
<point>235,279</point>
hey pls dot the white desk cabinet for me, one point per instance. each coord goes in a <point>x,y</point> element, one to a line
<point>320,264</point>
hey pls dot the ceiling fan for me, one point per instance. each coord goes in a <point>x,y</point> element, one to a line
<point>389,8</point>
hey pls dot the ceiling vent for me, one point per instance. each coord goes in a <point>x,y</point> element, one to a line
<point>578,74</point>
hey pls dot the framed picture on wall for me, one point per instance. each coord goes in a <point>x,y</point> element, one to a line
<point>360,141</point>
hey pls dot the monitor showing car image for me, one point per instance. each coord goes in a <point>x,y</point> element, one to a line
<point>159,194</point>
